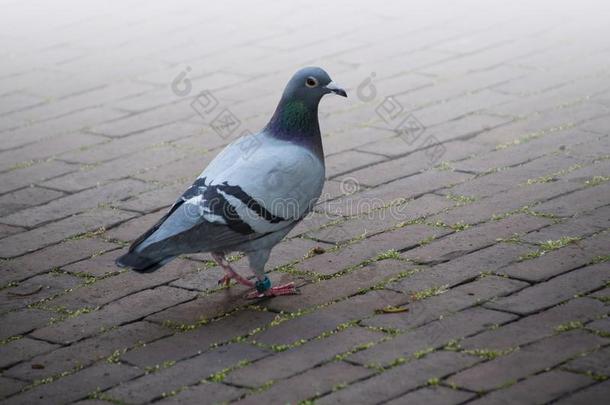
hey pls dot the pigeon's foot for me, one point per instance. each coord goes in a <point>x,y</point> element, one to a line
<point>230,273</point>
<point>284,289</point>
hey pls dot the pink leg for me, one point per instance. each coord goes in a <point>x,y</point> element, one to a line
<point>230,273</point>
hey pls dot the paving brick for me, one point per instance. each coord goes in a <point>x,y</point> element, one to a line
<point>34,174</point>
<point>212,392</point>
<point>401,379</point>
<point>100,265</point>
<point>447,302</point>
<point>330,317</point>
<point>597,362</point>
<point>407,188</point>
<point>21,243</point>
<point>75,203</point>
<point>343,286</point>
<point>579,226</point>
<point>128,309</point>
<point>602,325</point>
<point>535,327</point>
<point>121,285</point>
<point>382,219</point>
<point>554,291</point>
<point>410,165</point>
<point>187,372</point>
<point>311,383</point>
<point>86,352</point>
<point>46,149</point>
<point>526,361</point>
<point>53,256</point>
<point>134,143</point>
<point>25,198</point>
<point>431,336</point>
<point>580,201</point>
<point>130,230</point>
<point>153,200</point>
<point>77,386</point>
<point>540,388</point>
<point>332,262</point>
<point>183,345</point>
<point>433,396</point>
<point>6,230</point>
<point>475,238</point>
<point>462,269</point>
<point>294,361</point>
<point>22,349</point>
<point>348,161</point>
<point>515,177</point>
<point>596,394</point>
<point>9,386</point>
<point>502,203</point>
<point>136,123</point>
<point>35,289</point>
<point>559,261</point>
<point>22,321</point>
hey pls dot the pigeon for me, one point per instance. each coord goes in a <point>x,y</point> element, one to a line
<point>251,195</point>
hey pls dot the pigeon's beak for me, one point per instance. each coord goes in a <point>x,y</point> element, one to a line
<point>332,86</point>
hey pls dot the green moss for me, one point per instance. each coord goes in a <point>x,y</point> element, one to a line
<point>568,326</point>
<point>489,354</point>
<point>461,199</point>
<point>428,292</point>
<point>548,246</point>
<point>433,381</point>
<point>559,243</point>
<point>388,254</point>
<point>423,353</point>
<point>596,181</point>
<point>10,339</point>
<point>158,367</point>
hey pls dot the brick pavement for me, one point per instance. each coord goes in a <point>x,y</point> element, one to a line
<point>486,220</point>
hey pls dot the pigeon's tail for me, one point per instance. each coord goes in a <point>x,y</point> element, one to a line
<point>141,264</point>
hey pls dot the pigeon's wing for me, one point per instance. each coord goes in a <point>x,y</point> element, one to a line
<point>245,193</point>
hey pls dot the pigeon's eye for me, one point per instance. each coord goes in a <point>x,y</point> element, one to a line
<point>311,82</point>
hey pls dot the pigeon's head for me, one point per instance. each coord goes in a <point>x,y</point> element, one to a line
<point>310,84</point>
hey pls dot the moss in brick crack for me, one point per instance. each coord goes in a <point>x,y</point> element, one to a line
<point>548,246</point>
<point>596,181</point>
<point>423,353</point>
<point>453,345</point>
<point>388,254</point>
<point>222,374</point>
<point>115,357</point>
<point>427,241</point>
<point>444,166</point>
<point>88,235</point>
<point>568,326</point>
<point>515,238</point>
<point>10,339</point>
<point>489,354</point>
<point>158,367</point>
<point>533,135</point>
<point>559,243</point>
<point>459,226</point>
<point>100,396</point>
<point>600,259</point>
<point>433,381</point>
<point>428,292</point>
<point>461,199</point>
<point>553,176</point>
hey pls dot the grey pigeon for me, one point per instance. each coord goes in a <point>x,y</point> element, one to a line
<point>251,195</point>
